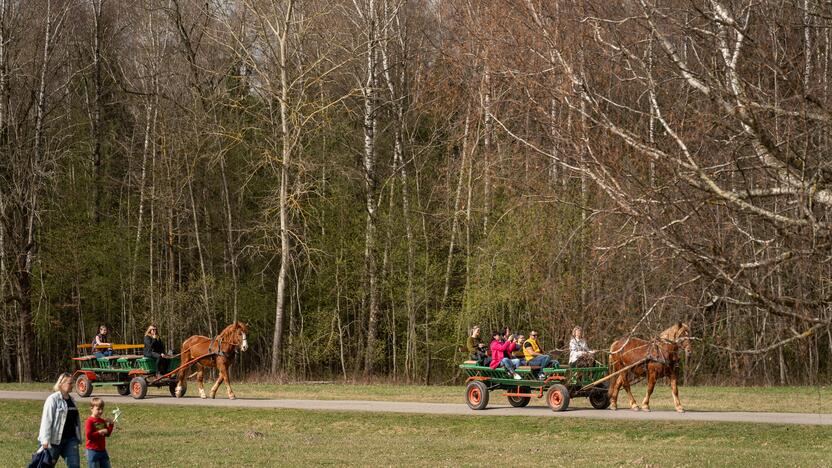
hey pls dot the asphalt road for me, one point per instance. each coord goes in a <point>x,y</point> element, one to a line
<point>458,409</point>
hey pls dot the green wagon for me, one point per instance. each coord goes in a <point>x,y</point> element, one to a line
<point>131,374</point>
<point>557,384</point>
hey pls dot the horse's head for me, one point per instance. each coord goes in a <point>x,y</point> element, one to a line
<point>679,334</point>
<point>235,334</point>
<point>242,329</point>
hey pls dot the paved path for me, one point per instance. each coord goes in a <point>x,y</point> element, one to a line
<point>458,409</point>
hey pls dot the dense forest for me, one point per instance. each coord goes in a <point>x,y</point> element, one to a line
<point>361,181</point>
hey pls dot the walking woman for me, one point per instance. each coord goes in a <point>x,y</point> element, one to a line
<point>60,425</point>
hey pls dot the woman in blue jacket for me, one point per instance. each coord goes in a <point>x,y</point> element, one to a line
<point>60,424</point>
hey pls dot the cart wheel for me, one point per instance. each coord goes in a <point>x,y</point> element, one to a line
<point>520,402</point>
<point>172,388</point>
<point>557,397</point>
<point>123,390</point>
<point>83,386</point>
<point>599,399</point>
<point>138,387</point>
<point>476,395</point>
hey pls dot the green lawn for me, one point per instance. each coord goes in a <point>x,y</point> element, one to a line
<point>192,436</point>
<point>771,399</point>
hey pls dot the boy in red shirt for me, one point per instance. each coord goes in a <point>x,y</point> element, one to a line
<point>97,429</point>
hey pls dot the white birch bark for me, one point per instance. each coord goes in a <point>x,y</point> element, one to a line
<point>277,339</point>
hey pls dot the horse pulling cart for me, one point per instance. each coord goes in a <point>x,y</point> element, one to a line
<point>557,384</point>
<point>131,374</point>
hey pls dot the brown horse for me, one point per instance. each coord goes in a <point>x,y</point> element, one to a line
<point>662,357</point>
<point>219,352</point>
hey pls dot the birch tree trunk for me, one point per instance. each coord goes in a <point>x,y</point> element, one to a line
<point>369,92</point>
<point>95,121</point>
<point>277,339</point>
<point>396,86</point>
<point>455,208</point>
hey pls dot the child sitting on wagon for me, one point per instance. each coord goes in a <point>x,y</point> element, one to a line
<point>97,429</point>
<point>101,346</point>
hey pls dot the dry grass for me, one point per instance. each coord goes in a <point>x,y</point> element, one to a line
<point>200,436</point>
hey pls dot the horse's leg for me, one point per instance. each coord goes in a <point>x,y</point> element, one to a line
<point>220,376</point>
<point>224,371</point>
<point>182,381</point>
<point>675,390</point>
<point>616,386</point>
<point>181,378</point>
<point>200,375</point>
<point>651,382</point>
<point>633,404</point>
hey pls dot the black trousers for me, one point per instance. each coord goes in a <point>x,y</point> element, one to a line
<point>161,363</point>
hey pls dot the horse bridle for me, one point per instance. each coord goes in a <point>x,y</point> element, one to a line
<point>243,344</point>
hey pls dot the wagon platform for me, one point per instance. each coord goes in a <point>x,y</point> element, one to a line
<point>557,384</point>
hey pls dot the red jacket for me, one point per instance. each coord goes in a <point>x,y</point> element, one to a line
<point>96,441</point>
<point>499,350</point>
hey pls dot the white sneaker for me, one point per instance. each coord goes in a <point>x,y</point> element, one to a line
<point>517,377</point>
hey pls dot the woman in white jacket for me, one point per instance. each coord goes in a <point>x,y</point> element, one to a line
<point>579,353</point>
<point>60,424</point>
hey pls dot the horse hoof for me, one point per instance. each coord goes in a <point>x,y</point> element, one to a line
<point>680,410</point>
<point>645,409</point>
<point>232,397</point>
<point>635,408</point>
<point>613,408</point>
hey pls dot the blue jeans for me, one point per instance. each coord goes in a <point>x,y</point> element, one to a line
<point>543,361</point>
<point>68,449</point>
<point>105,353</point>
<point>97,459</point>
<point>510,364</point>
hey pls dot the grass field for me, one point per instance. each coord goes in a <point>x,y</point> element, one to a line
<point>770,399</point>
<point>179,436</point>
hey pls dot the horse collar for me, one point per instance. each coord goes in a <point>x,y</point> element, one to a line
<point>218,340</point>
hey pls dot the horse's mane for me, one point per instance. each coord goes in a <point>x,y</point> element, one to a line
<point>673,332</point>
<point>228,331</point>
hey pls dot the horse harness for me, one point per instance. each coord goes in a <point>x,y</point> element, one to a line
<point>656,354</point>
<point>219,351</point>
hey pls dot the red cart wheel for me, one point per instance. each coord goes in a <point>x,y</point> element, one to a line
<point>557,397</point>
<point>520,402</point>
<point>138,387</point>
<point>476,395</point>
<point>83,386</point>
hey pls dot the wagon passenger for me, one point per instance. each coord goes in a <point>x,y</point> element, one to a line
<point>518,349</point>
<point>534,355</point>
<point>153,348</point>
<point>60,425</point>
<point>500,350</point>
<point>579,353</point>
<point>476,348</point>
<point>473,340</point>
<point>101,345</point>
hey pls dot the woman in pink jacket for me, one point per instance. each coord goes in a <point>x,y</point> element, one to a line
<point>500,350</point>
